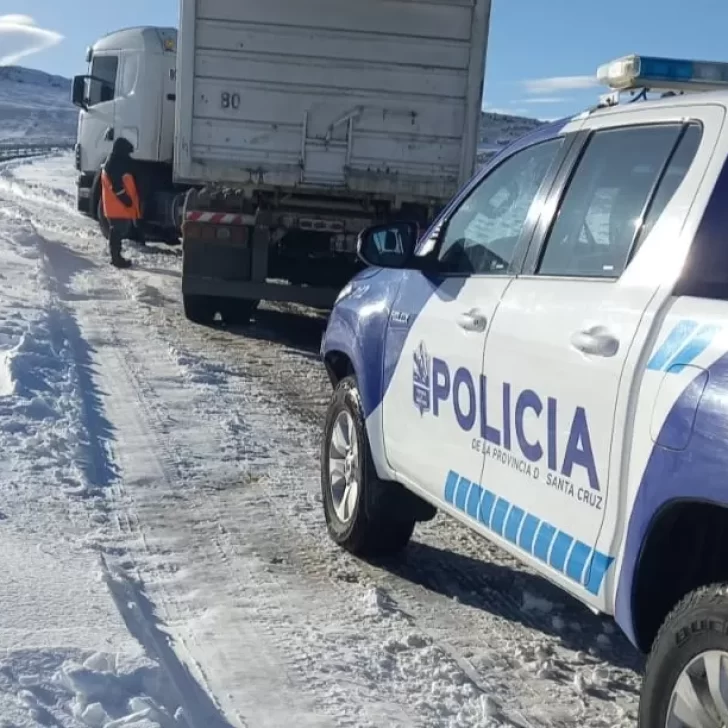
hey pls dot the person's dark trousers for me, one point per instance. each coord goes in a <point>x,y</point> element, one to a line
<point>118,231</point>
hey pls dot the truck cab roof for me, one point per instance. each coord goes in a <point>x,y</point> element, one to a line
<point>150,39</point>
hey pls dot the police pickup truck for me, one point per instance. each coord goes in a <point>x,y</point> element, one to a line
<point>548,363</point>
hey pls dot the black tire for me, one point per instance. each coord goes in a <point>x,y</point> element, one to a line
<point>200,309</point>
<point>698,624</point>
<point>103,222</point>
<point>381,521</point>
<point>237,311</point>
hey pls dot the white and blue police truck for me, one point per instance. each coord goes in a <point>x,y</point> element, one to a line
<point>548,363</point>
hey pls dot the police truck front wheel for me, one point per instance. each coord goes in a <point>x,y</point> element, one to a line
<point>364,515</point>
<point>686,680</point>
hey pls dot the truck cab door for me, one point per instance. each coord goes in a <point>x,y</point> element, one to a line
<point>440,320</point>
<point>564,353</point>
<point>98,120</point>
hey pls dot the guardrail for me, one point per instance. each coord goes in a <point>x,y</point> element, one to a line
<point>19,150</point>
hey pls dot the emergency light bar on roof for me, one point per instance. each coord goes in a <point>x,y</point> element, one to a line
<point>663,74</point>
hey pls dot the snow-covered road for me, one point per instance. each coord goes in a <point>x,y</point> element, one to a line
<point>164,547</point>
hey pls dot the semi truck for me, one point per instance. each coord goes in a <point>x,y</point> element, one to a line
<point>268,135</point>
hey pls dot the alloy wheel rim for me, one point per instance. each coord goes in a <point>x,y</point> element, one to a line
<point>700,695</point>
<point>344,466</point>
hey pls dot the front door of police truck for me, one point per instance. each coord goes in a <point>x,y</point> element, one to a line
<point>440,320</point>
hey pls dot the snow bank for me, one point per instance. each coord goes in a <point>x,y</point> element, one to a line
<point>96,689</point>
<point>41,407</point>
<point>106,693</point>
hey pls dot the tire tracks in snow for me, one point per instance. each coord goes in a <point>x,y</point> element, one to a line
<point>548,660</point>
<point>293,630</point>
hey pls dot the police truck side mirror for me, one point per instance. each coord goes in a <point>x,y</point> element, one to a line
<point>78,94</point>
<point>391,245</point>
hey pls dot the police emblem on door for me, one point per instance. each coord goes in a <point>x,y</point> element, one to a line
<point>421,377</point>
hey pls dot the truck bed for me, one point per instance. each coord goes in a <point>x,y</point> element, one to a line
<point>380,97</point>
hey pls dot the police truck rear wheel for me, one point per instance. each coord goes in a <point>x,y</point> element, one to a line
<point>364,515</point>
<point>686,680</point>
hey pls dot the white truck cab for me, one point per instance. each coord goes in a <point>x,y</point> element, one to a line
<point>129,91</point>
<point>548,364</point>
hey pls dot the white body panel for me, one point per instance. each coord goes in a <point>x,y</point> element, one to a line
<point>380,97</point>
<point>438,331</point>
<point>142,109</point>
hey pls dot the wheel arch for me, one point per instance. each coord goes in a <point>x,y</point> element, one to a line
<point>339,365</point>
<point>682,549</point>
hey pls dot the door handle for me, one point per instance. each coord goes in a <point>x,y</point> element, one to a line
<point>109,136</point>
<point>473,320</point>
<point>596,341</point>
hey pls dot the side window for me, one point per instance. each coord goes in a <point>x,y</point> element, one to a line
<point>600,218</point>
<point>129,71</point>
<point>102,86</point>
<point>482,236</point>
<point>675,173</point>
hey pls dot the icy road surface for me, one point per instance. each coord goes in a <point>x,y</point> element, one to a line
<point>164,550</point>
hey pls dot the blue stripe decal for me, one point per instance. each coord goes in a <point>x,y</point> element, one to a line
<point>693,349</point>
<point>595,575</point>
<point>528,533</point>
<point>515,518</point>
<point>560,551</point>
<point>577,561</point>
<point>476,493</point>
<point>461,497</point>
<point>543,541</point>
<point>450,485</point>
<point>486,508</point>
<point>499,516</point>
<point>679,349</point>
<point>537,538</point>
<point>676,338</point>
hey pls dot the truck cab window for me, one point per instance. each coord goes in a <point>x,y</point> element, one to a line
<point>482,235</point>
<point>600,217</point>
<point>102,86</point>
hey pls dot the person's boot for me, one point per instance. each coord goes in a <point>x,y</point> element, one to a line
<point>119,261</point>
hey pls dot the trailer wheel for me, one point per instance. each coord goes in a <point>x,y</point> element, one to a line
<point>237,311</point>
<point>200,309</point>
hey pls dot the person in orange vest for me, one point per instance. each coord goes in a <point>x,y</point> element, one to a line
<point>120,198</point>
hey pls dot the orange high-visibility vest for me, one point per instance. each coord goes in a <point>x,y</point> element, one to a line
<point>114,209</point>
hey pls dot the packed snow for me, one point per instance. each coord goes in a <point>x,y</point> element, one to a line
<point>165,553</point>
<point>35,107</point>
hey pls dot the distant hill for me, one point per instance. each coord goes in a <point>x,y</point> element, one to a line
<point>35,107</point>
<point>499,130</point>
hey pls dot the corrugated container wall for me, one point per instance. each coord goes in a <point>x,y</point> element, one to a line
<point>368,96</point>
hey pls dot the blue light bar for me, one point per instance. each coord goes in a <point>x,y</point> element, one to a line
<point>637,72</point>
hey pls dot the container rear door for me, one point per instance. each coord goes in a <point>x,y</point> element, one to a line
<point>372,95</point>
